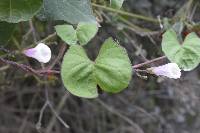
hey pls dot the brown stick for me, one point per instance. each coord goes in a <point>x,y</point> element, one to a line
<point>148,62</point>
<point>27,68</point>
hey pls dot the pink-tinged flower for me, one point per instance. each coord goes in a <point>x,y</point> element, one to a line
<point>41,52</point>
<point>170,70</point>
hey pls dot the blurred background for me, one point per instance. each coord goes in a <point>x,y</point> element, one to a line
<point>149,105</point>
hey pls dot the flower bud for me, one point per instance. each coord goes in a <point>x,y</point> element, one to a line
<point>170,70</point>
<point>41,52</point>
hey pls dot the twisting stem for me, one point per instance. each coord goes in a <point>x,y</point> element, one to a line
<point>27,68</point>
<point>21,66</point>
<point>47,71</point>
<point>149,62</point>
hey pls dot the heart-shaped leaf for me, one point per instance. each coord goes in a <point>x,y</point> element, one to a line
<point>111,70</point>
<point>187,54</point>
<point>14,11</point>
<point>67,33</point>
<point>84,33</point>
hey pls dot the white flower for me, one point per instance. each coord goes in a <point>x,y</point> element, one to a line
<point>41,52</point>
<point>170,70</point>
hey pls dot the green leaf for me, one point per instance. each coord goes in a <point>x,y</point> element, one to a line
<point>113,68</point>
<point>187,54</point>
<point>66,33</point>
<point>117,4</point>
<point>86,31</point>
<point>77,73</point>
<point>72,11</point>
<point>14,11</point>
<point>6,31</point>
<point>111,71</point>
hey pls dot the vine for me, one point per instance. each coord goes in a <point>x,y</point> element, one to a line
<point>112,69</point>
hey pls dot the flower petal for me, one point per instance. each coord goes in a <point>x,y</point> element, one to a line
<point>41,52</point>
<point>170,70</point>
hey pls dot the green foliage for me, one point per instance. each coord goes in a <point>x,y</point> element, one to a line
<point>111,70</point>
<point>187,54</point>
<point>14,11</point>
<point>6,31</point>
<point>116,3</point>
<point>72,11</point>
<point>86,31</point>
<point>77,73</point>
<point>66,33</point>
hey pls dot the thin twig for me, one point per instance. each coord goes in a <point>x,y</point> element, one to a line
<point>46,39</point>
<point>193,12</point>
<point>58,117</point>
<point>48,104</point>
<point>133,15</point>
<point>21,66</point>
<point>39,123</point>
<point>148,62</point>
<point>27,68</point>
<point>53,119</point>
